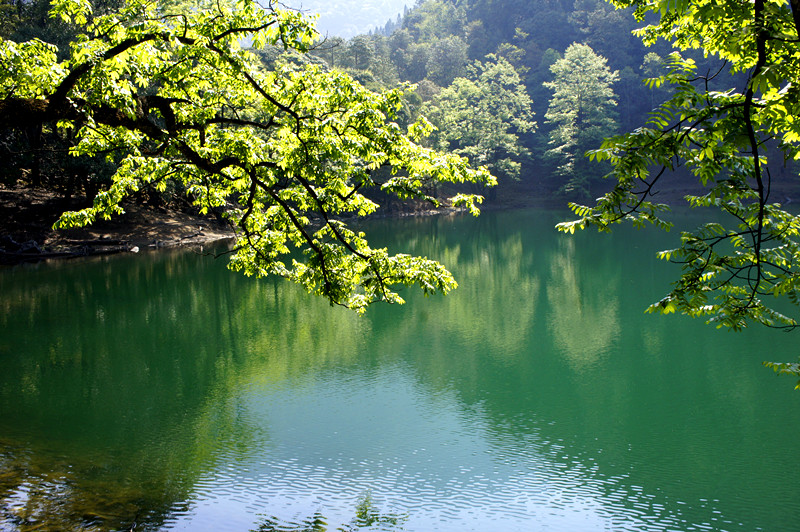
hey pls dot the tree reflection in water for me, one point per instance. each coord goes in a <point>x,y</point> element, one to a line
<point>158,389</point>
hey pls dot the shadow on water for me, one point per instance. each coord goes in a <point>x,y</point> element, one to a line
<point>168,392</point>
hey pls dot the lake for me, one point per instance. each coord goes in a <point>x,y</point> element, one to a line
<point>160,391</point>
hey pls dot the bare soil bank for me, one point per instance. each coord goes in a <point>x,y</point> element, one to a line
<point>27,216</point>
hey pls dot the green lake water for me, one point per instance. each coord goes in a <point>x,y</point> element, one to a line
<point>161,391</point>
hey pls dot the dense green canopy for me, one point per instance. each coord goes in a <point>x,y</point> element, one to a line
<point>582,114</point>
<point>482,115</point>
<point>287,151</point>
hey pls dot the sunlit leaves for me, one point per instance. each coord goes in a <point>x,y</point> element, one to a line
<point>287,152</point>
<point>72,11</point>
<point>734,266</point>
<point>29,69</point>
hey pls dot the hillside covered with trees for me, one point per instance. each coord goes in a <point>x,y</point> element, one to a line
<point>523,87</point>
<point>498,80</point>
<point>577,67</point>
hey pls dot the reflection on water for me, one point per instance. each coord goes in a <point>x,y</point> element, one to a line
<point>583,309</point>
<point>166,392</point>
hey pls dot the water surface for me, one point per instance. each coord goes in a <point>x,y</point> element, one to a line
<point>164,391</point>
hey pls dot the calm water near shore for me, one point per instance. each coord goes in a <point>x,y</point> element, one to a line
<point>163,391</point>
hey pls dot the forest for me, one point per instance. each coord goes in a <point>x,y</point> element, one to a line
<point>254,116</point>
<point>524,88</point>
<point>521,96</point>
<point>590,175</point>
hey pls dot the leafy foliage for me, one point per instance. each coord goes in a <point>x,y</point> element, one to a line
<point>581,112</point>
<point>786,368</point>
<point>481,116</point>
<point>734,142</point>
<point>288,150</point>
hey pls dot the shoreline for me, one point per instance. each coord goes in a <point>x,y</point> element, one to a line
<point>27,216</point>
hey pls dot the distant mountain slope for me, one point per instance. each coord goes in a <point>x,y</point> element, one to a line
<point>346,18</point>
